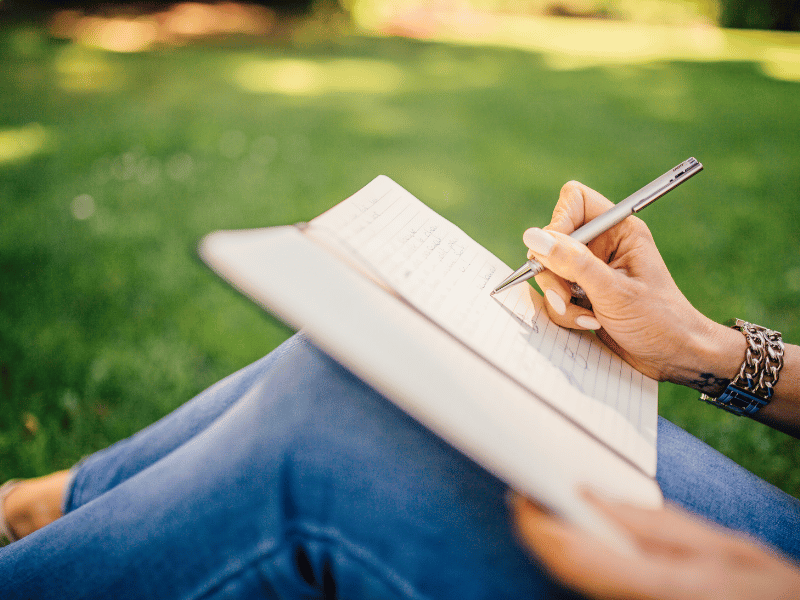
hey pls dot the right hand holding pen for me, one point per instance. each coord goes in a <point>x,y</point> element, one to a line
<point>639,309</point>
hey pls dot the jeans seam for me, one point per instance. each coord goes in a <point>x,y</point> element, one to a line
<point>358,554</point>
<point>261,554</point>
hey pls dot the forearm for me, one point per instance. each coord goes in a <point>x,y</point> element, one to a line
<point>718,352</point>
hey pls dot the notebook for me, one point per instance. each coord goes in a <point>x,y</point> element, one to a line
<point>401,297</point>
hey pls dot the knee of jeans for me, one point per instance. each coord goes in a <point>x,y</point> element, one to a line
<point>300,385</point>
<point>305,370</point>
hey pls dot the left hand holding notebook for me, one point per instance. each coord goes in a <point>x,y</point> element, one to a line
<point>680,556</point>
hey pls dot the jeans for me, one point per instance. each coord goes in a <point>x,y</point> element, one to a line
<point>294,479</point>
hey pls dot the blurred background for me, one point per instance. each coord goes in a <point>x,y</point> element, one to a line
<point>129,131</point>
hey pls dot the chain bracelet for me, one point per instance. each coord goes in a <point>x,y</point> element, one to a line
<point>774,362</point>
<point>753,386</point>
<point>753,357</point>
<point>763,359</point>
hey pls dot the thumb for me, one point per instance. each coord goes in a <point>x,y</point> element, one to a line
<point>569,259</point>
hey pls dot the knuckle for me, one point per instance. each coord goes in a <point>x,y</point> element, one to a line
<point>639,228</point>
<point>633,233</point>
<point>571,187</point>
<point>568,212</point>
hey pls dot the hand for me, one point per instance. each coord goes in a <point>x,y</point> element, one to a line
<point>679,556</point>
<point>636,307</point>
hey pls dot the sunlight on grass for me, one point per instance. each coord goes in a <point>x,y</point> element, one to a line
<point>569,44</point>
<point>782,63</point>
<point>175,25</point>
<point>22,143</point>
<point>314,78</point>
<point>119,35</point>
<point>81,69</point>
<point>577,44</point>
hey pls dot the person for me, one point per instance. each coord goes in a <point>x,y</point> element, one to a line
<point>293,478</point>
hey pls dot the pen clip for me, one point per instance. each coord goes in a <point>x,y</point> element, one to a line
<point>668,181</point>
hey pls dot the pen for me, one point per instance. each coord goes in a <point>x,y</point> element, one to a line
<point>619,212</point>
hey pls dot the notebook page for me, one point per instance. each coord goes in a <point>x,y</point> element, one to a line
<point>447,276</point>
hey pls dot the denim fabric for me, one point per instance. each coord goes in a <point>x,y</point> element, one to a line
<point>710,484</point>
<point>293,479</point>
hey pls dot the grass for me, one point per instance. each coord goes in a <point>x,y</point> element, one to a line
<point>112,166</point>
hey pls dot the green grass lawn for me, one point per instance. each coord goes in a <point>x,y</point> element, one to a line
<point>112,166</point>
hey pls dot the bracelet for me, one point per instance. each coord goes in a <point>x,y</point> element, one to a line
<point>754,384</point>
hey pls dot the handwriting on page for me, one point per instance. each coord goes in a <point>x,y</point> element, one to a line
<point>447,275</point>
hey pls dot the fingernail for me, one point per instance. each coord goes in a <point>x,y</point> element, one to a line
<point>587,322</point>
<point>539,241</point>
<point>556,303</point>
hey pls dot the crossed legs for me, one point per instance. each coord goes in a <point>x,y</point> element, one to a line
<point>293,477</point>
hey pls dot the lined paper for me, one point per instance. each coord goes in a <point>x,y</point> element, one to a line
<point>447,276</point>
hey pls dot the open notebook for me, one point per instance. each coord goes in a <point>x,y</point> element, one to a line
<point>400,295</point>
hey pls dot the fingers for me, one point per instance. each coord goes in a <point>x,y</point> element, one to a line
<point>555,289</point>
<point>557,294</point>
<point>681,556</point>
<point>669,531</point>
<point>579,560</point>
<point>577,204</point>
<point>675,534</point>
<point>567,260</point>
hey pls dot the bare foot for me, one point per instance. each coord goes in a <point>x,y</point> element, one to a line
<point>34,503</point>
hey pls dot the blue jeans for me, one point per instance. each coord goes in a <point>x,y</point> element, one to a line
<point>294,479</point>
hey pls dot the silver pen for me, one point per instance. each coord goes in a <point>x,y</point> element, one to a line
<point>619,212</point>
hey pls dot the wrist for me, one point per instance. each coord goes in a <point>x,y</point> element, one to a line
<point>714,354</point>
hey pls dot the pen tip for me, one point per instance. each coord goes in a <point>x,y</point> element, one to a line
<point>493,292</point>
